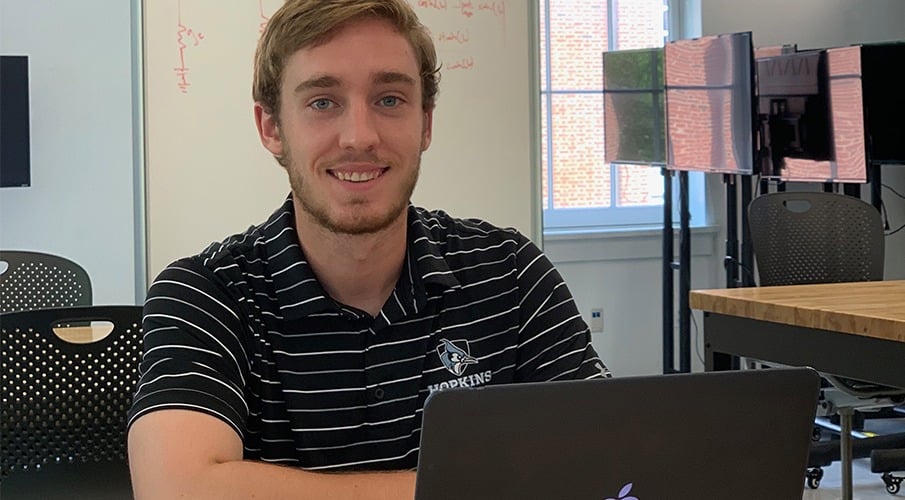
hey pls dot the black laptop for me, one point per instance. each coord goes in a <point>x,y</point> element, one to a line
<point>702,436</point>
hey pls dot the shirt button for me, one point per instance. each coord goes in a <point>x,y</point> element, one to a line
<point>378,393</point>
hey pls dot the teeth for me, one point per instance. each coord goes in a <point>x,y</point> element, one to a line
<point>357,176</point>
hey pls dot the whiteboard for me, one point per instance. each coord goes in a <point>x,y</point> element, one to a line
<point>207,175</point>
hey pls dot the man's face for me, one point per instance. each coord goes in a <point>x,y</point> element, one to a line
<point>352,127</point>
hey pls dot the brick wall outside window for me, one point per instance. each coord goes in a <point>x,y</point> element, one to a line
<point>578,37</point>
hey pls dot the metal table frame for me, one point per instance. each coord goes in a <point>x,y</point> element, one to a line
<point>842,354</point>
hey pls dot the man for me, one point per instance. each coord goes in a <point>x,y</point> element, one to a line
<point>308,345</point>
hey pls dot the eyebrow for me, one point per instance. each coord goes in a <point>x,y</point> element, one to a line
<point>321,82</point>
<point>394,77</point>
<point>326,81</point>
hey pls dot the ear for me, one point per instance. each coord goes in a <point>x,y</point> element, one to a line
<point>268,130</point>
<point>427,129</point>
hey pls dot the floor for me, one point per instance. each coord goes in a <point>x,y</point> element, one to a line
<point>867,485</point>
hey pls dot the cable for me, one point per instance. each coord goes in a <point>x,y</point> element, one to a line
<point>887,186</point>
<point>697,345</point>
<point>886,214</point>
<point>741,266</point>
<point>896,230</point>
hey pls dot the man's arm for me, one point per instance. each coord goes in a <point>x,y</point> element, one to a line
<point>554,340</point>
<point>188,454</point>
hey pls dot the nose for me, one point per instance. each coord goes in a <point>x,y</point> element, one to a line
<point>359,128</point>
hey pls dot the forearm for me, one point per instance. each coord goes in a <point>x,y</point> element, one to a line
<point>192,455</point>
<point>251,479</point>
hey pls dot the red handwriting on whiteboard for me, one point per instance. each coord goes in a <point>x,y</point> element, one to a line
<point>466,8</point>
<point>185,37</point>
<point>497,8</point>
<point>264,18</point>
<point>464,63</point>
<point>432,4</point>
<point>457,36</point>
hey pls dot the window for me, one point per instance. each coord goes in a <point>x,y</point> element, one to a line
<point>581,191</point>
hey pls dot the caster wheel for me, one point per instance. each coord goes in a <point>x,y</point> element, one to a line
<point>893,483</point>
<point>813,477</point>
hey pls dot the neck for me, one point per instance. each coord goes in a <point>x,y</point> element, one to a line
<point>358,270</point>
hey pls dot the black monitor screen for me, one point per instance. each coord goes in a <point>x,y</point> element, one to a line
<point>15,170</point>
<point>633,107</point>
<point>846,157</point>
<point>884,102</point>
<point>793,109</point>
<point>710,104</point>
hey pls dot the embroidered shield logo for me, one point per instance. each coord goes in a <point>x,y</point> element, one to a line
<point>455,355</point>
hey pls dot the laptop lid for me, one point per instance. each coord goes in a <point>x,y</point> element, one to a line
<point>740,435</point>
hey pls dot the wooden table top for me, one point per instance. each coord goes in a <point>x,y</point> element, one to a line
<point>871,308</point>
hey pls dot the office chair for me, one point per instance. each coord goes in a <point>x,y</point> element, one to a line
<point>65,397</point>
<point>818,237</point>
<point>34,280</point>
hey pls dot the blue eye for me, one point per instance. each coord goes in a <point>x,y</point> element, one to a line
<point>389,101</point>
<point>321,104</point>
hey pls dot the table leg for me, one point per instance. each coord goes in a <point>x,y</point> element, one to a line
<point>845,443</point>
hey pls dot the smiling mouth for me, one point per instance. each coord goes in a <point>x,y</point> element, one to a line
<point>366,176</point>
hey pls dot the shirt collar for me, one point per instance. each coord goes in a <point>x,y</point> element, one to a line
<point>299,294</point>
<point>427,239</point>
<point>295,286</point>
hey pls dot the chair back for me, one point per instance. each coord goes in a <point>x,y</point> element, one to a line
<point>65,403</point>
<point>801,238</point>
<point>34,280</point>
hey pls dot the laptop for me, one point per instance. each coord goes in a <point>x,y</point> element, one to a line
<point>701,436</point>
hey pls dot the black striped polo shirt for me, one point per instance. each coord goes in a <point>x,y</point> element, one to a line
<point>244,332</point>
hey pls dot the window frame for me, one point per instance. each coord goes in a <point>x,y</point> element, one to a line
<point>681,19</point>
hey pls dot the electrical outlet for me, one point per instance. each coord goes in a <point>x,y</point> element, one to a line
<point>597,320</point>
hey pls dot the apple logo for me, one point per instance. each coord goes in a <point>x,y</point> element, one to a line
<point>624,492</point>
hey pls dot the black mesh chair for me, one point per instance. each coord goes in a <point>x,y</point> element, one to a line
<point>63,418</point>
<point>802,238</point>
<point>817,237</point>
<point>34,280</point>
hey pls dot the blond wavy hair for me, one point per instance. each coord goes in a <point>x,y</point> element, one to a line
<point>300,24</point>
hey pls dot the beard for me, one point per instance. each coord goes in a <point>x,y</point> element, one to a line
<point>356,217</point>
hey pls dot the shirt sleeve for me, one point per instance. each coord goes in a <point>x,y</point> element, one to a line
<point>193,355</point>
<point>554,340</point>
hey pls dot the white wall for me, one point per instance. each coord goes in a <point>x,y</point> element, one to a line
<point>809,23</point>
<point>622,273</point>
<point>81,201</point>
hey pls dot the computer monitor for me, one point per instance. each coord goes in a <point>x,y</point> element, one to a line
<point>865,116</point>
<point>634,107</point>
<point>774,50</point>
<point>847,158</point>
<point>884,102</point>
<point>15,156</point>
<point>793,109</point>
<point>710,104</point>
